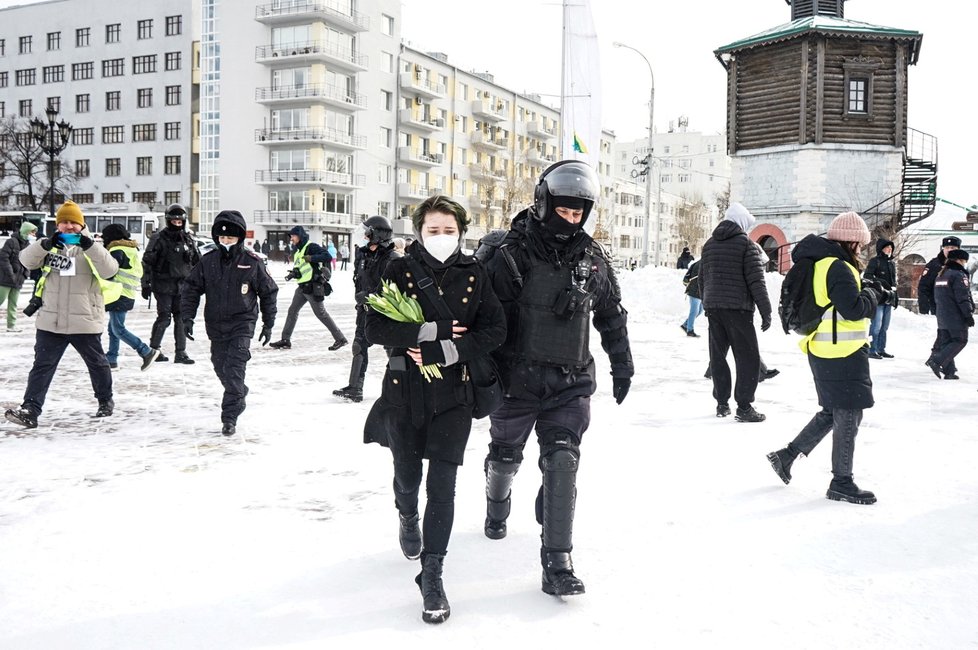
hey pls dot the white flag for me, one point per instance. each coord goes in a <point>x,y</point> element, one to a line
<point>581,93</point>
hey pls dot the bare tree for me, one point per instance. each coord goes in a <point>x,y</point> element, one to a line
<point>723,200</point>
<point>26,167</point>
<point>692,222</point>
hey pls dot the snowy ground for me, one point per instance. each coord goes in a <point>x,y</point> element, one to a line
<point>150,530</point>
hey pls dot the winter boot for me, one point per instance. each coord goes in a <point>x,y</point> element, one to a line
<point>768,374</point>
<point>558,574</point>
<point>843,489</point>
<point>559,498</point>
<point>723,410</point>
<point>749,414</point>
<point>781,461</point>
<point>228,429</point>
<point>501,466</point>
<point>436,607</point>
<point>23,417</point>
<point>150,358</point>
<point>934,366</point>
<point>409,536</point>
<point>105,409</point>
<point>181,357</point>
<point>692,333</point>
<point>162,358</point>
<point>284,344</point>
<point>113,365</point>
<point>338,343</point>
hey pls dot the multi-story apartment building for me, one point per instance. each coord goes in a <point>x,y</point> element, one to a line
<point>124,77</point>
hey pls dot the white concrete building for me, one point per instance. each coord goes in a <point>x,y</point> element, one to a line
<point>124,77</point>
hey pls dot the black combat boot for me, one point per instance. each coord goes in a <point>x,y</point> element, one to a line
<point>409,536</point>
<point>748,414</point>
<point>105,408</point>
<point>723,409</point>
<point>23,417</point>
<point>436,607</point>
<point>228,429</point>
<point>843,489</point>
<point>559,498</point>
<point>781,461</point>
<point>558,574</point>
<point>181,357</point>
<point>283,344</point>
<point>501,466</point>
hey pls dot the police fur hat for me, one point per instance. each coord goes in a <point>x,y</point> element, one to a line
<point>958,254</point>
<point>951,240</point>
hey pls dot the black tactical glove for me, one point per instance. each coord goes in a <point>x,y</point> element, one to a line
<point>620,386</point>
<point>265,336</point>
<point>970,320</point>
<point>46,243</point>
<point>765,323</point>
<point>85,242</point>
<point>147,292</point>
<point>188,329</point>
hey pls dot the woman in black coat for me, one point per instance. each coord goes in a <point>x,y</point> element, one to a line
<point>418,419</point>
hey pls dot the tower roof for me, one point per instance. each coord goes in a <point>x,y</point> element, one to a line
<point>828,25</point>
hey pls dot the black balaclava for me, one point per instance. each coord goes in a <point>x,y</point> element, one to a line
<point>558,230</point>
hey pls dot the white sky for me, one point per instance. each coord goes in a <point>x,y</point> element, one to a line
<point>519,42</point>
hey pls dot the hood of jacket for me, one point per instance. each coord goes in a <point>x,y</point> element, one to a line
<point>815,248</point>
<point>122,243</point>
<point>727,229</point>
<point>881,244</point>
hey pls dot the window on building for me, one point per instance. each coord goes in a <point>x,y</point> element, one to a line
<point>172,60</point>
<point>857,94</point>
<point>384,174</point>
<point>384,209</point>
<point>386,136</point>
<point>387,62</point>
<point>55,103</point>
<point>144,64</point>
<point>26,77</point>
<point>81,71</point>
<point>387,99</point>
<point>173,95</point>
<point>339,203</point>
<point>26,44</point>
<point>665,149</point>
<point>54,41</point>
<point>83,36</point>
<point>171,197</point>
<point>683,178</point>
<point>665,178</point>
<point>174,25</point>
<point>54,74</point>
<point>3,47</point>
<point>144,29</point>
<point>3,79</point>
<point>113,166</point>
<point>113,197</point>
<point>113,134</point>
<point>83,199</point>
<point>113,32</point>
<point>144,98</point>
<point>83,136</point>
<point>3,113</point>
<point>82,168</point>
<point>83,103</point>
<point>25,108</point>
<point>144,166</point>
<point>387,24</point>
<point>143,132</point>
<point>171,165</point>
<point>113,100</point>
<point>113,67</point>
<point>171,130</point>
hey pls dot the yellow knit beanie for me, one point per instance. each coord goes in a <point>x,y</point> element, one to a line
<point>70,212</point>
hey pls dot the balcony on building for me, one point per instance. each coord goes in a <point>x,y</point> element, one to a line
<point>539,159</point>
<point>290,11</point>
<point>306,218</point>
<point>478,200</point>
<point>321,177</point>
<point>487,110</point>
<point>489,142</point>
<point>431,89</point>
<point>319,93</point>
<point>407,117</point>
<point>419,192</point>
<point>482,172</point>
<point>538,130</point>
<point>312,51</point>
<point>412,156</point>
<point>333,137</point>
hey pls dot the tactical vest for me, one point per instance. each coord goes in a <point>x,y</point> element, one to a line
<point>129,278</point>
<point>835,337</point>
<point>305,268</point>
<point>554,316</point>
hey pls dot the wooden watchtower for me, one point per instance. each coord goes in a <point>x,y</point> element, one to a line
<point>817,125</point>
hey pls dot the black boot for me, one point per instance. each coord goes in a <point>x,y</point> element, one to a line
<point>843,489</point>
<point>501,466</point>
<point>181,357</point>
<point>436,607</point>
<point>105,408</point>
<point>748,414</point>
<point>781,461</point>
<point>283,344</point>
<point>559,498</point>
<point>409,536</point>
<point>228,429</point>
<point>558,574</point>
<point>23,417</point>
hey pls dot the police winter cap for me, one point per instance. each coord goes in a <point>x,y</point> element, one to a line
<point>958,254</point>
<point>951,241</point>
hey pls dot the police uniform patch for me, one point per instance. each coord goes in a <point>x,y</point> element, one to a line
<point>244,289</point>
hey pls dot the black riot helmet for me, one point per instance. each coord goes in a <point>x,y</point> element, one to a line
<point>378,230</point>
<point>567,178</point>
<point>176,211</point>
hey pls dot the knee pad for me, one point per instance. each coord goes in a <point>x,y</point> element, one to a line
<point>559,449</point>
<point>355,348</point>
<point>561,460</point>
<point>504,453</point>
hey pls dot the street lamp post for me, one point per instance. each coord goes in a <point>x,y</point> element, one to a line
<point>648,169</point>
<point>53,139</point>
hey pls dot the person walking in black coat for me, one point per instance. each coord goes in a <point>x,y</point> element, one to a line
<point>236,284</point>
<point>838,353</point>
<point>685,259</point>
<point>419,419</point>
<point>13,274</point>
<point>170,255</point>
<point>691,282</point>
<point>369,266</point>
<point>731,280</point>
<point>925,285</point>
<point>955,314</point>
<point>882,271</point>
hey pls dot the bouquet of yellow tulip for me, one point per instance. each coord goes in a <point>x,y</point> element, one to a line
<point>396,305</point>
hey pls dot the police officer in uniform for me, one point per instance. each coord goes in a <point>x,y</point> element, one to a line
<point>371,261</point>
<point>169,256</point>
<point>236,283</point>
<point>552,280</point>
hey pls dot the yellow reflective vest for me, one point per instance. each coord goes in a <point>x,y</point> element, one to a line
<point>305,268</point>
<point>111,291</point>
<point>835,337</point>
<point>129,278</point>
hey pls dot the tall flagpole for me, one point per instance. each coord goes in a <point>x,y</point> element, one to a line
<point>563,74</point>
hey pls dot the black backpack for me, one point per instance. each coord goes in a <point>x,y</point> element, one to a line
<point>798,310</point>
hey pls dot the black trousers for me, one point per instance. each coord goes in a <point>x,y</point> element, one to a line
<point>48,350</point>
<point>949,344</point>
<point>732,329</point>
<point>168,306</point>
<point>230,358</point>
<point>439,512</point>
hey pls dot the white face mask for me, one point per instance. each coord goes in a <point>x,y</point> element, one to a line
<point>226,247</point>
<point>364,243</point>
<point>441,247</point>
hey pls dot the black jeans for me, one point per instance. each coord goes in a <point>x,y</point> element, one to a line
<point>948,345</point>
<point>733,329</point>
<point>360,345</point>
<point>439,512</point>
<point>844,425</point>
<point>48,350</point>
<point>230,358</point>
<point>167,305</point>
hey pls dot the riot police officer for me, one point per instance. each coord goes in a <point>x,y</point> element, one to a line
<point>373,253</point>
<point>552,280</point>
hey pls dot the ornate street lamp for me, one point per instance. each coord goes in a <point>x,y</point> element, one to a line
<point>53,139</point>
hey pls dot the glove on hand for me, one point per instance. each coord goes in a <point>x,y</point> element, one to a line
<point>46,243</point>
<point>188,328</point>
<point>765,323</point>
<point>619,388</point>
<point>85,242</point>
<point>147,292</point>
<point>970,320</point>
<point>265,336</point>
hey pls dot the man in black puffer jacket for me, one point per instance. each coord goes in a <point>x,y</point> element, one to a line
<point>731,283</point>
<point>881,272</point>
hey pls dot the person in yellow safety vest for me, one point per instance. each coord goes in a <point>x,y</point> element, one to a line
<point>838,353</point>
<point>311,270</point>
<point>70,310</point>
<point>118,241</point>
